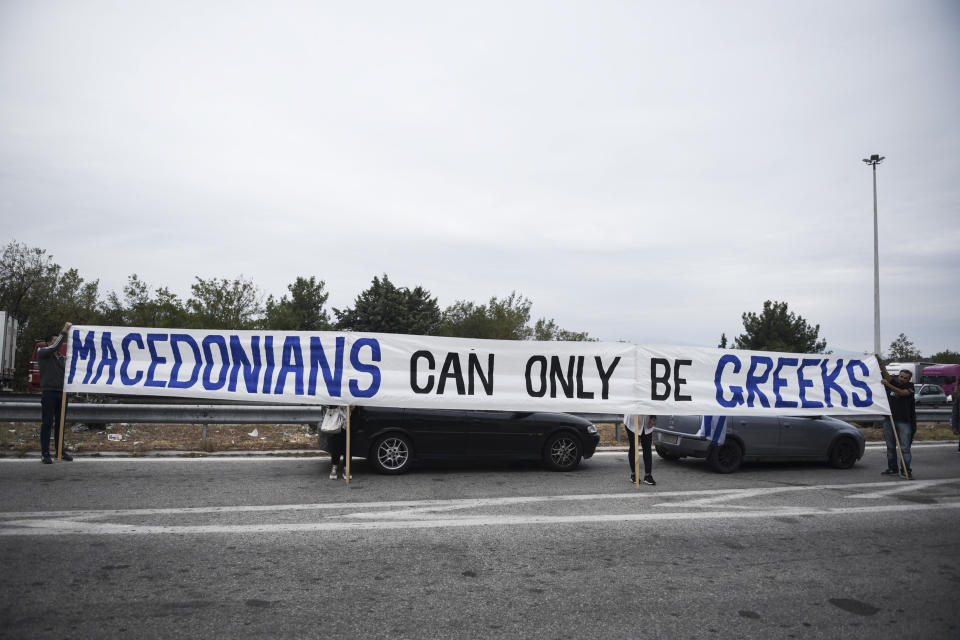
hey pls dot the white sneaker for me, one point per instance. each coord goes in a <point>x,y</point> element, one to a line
<point>333,472</point>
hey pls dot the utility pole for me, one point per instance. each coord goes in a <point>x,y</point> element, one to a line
<point>873,161</point>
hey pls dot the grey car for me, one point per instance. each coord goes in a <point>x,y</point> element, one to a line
<point>927,394</point>
<point>756,438</point>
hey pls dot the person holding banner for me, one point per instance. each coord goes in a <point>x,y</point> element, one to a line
<point>334,421</point>
<point>645,425</point>
<point>51,363</point>
<point>903,411</point>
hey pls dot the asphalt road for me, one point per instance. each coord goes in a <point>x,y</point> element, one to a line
<point>266,547</point>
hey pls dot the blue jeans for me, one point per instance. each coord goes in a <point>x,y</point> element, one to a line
<point>905,433</point>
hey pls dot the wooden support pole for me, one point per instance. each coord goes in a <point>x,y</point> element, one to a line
<point>63,425</point>
<point>346,473</point>
<point>636,451</point>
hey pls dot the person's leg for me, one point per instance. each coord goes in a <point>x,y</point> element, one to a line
<point>892,462</point>
<point>631,456</point>
<point>49,404</point>
<point>646,439</point>
<point>905,432</point>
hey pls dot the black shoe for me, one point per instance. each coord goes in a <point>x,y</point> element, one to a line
<point>889,472</point>
<point>905,476</point>
<point>66,457</point>
<point>649,480</point>
<point>46,460</point>
<point>633,479</point>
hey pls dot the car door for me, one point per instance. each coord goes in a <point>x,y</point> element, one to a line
<point>804,437</point>
<point>501,433</point>
<point>439,433</point>
<point>760,434</point>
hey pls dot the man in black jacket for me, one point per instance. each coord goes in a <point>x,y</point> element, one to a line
<point>51,364</point>
<point>903,409</point>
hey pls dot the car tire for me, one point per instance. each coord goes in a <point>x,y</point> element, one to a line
<point>562,452</point>
<point>667,456</point>
<point>726,458</point>
<point>392,454</point>
<point>843,454</point>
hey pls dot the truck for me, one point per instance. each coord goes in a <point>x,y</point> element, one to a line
<point>945,375</point>
<point>8,349</point>
<point>915,368</point>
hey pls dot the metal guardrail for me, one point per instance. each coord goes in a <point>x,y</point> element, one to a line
<point>169,414</point>
<point>271,414</point>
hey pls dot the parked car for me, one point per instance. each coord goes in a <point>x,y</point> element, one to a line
<point>929,394</point>
<point>757,438</point>
<point>392,440</point>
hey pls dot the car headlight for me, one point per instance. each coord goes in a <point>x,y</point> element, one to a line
<point>592,429</point>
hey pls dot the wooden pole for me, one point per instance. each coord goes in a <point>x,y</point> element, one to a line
<point>346,474</point>
<point>896,436</point>
<point>63,424</point>
<point>636,451</point>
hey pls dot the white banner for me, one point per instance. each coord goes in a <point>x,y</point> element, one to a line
<point>431,372</point>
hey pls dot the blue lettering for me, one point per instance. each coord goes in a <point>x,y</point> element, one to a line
<point>268,372</point>
<point>830,383</point>
<point>737,397</point>
<point>108,359</point>
<point>125,348</point>
<point>361,367</point>
<point>754,380</point>
<point>779,383</point>
<point>333,379</point>
<point>155,359</point>
<point>291,361</point>
<point>82,349</point>
<point>176,339</point>
<point>867,399</point>
<point>209,384</point>
<point>804,383</point>
<point>250,374</point>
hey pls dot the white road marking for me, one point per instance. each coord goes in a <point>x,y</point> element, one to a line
<point>71,527</point>
<point>421,514</point>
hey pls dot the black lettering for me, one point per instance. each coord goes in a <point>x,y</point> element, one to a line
<point>451,369</point>
<point>556,376</point>
<point>583,395</point>
<point>431,364</point>
<point>473,365</point>
<point>678,381</point>
<point>662,379</point>
<point>542,361</point>
<point>606,375</point>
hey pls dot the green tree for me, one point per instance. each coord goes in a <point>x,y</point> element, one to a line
<point>138,308</point>
<point>505,319</point>
<point>386,308</point>
<point>303,310</point>
<point>778,329</point>
<point>946,357</point>
<point>41,296</point>
<point>723,341</point>
<point>903,350</point>
<point>219,303</point>
<point>548,330</point>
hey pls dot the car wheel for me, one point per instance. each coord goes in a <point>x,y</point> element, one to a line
<point>392,454</point>
<point>562,452</point>
<point>726,458</point>
<point>843,455</point>
<point>666,456</point>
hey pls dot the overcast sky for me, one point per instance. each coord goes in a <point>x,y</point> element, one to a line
<point>642,171</point>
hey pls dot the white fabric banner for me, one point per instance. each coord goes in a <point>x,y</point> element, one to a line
<point>431,372</point>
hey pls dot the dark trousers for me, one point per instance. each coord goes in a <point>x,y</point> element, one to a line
<point>49,420</point>
<point>645,441</point>
<point>337,446</point>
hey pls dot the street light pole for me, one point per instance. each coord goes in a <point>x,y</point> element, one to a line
<point>873,161</point>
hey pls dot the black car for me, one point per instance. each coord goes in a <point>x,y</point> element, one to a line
<point>393,439</point>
